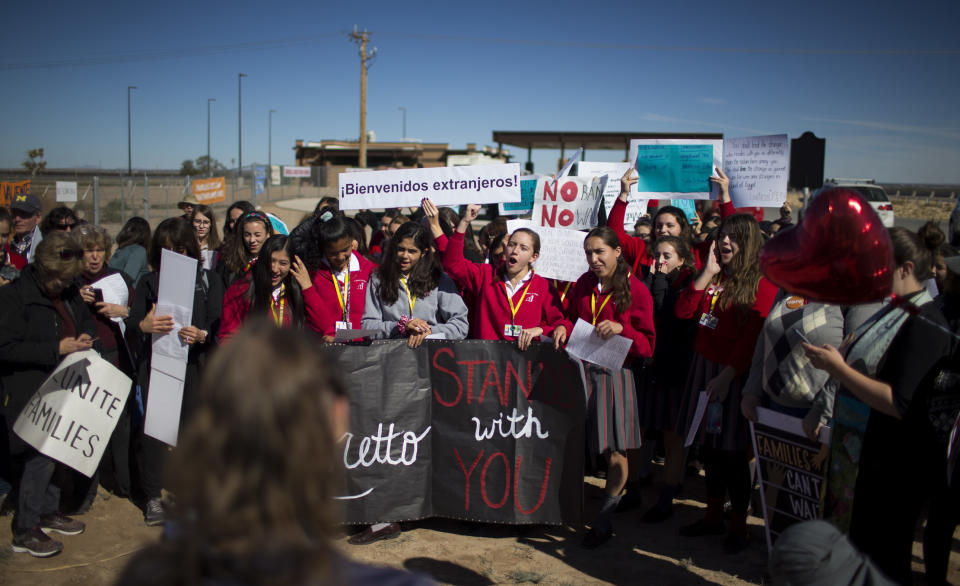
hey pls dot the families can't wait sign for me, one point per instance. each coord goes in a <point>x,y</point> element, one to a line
<point>443,185</point>
<point>72,415</point>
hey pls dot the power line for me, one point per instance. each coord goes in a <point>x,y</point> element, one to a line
<point>291,41</point>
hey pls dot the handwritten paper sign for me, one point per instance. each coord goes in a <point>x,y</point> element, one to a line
<point>72,415</point>
<point>208,191</point>
<point>67,191</point>
<point>565,170</point>
<point>792,471</point>
<point>636,208</point>
<point>561,251</point>
<point>571,202</point>
<point>676,168</point>
<point>758,168</point>
<point>443,185</point>
<point>589,347</point>
<point>168,362</point>
<point>528,189</point>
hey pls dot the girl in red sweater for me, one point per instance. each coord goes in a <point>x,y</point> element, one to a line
<point>668,221</point>
<point>252,230</point>
<point>340,275</point>
<point>615,303</point>
<point>731,300</point>
<point>510,302</point>
<point>277,289</point>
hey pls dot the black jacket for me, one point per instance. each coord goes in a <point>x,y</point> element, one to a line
<point>30,334</point>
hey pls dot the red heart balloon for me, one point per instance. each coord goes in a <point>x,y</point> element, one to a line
<point>840,252</point>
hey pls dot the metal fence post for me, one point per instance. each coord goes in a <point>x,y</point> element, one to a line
<point>166,199</point>
<point>96,199</point>
<point>123,204</point>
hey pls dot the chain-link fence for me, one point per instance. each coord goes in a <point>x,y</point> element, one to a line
<point>112,200</point>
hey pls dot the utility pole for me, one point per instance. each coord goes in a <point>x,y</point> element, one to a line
<point>362,38</point>
<point>129,134</point>
<point>209,101</point>
<point>269,151</point>
<point>240,77</point>
<point>404,110</point>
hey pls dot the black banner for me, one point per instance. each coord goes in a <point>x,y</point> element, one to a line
<point>792,472</point>
<point>473,430</point>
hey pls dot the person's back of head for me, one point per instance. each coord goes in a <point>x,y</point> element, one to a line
<point>255,468</point>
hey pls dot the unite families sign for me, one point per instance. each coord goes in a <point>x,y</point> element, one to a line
<point>72,415</point>
<point>473,430</point>
<point>445,186</point>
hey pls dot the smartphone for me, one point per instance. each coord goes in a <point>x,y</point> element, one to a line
<point>800,335</point>
<point>97,295</point>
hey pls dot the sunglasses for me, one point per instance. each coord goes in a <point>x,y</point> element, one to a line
<point>67,226</point>
<point>70,254</point>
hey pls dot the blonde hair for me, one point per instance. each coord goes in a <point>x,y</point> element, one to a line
<point>50,266</point>
<point>91,236</point>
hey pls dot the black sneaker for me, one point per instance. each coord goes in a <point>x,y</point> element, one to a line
<point>61,524</point>
<point>36,543</point>
<point>153,513</point>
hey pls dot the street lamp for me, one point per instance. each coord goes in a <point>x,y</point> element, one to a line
<point>209,101</point>
<point>269,150</point>
<point>404,110</point>
<point>129,134</point>
<point>240,77</point>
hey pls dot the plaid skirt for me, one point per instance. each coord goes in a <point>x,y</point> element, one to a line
<point>658,400</point>
<point>734,429</point>
<point>612,421</point>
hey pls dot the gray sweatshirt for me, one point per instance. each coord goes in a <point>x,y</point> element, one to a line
<point>443,309</point>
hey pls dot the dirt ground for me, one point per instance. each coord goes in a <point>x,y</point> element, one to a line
<point>456,552</point>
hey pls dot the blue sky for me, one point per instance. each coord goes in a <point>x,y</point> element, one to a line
<point>879,82</point>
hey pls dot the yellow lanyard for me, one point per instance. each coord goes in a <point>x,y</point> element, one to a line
<point>343,298</point>
<point>593,305</point>
<point>411,299</point>
<point>278,318</point>
<point>715,295</point>
<point>523,297</point>
<point>563,294</point>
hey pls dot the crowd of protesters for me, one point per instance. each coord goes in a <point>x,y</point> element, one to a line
<point>687,292</point>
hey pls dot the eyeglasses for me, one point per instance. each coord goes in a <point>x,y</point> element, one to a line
<point>66,226</point>
<point>201,222</point>
<point>70,254</point>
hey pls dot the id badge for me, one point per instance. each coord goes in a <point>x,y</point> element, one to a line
<point>343,325</point>
<point>512,330</point>
<point>708,321</point>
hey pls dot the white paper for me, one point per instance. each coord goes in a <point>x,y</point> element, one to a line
<point>789,424</point>
<point>169,344</point>
<point>67,191</point>
<point>353,334</point>
<point>115,291</point>
<point>443,185</point>
<point>636,208</point>
<point>584,344</point>
<point>717,162</point>
<point>702,401</point>
<point>437,336</point>
<point>573,202</point>
<point>164,401</point>
<point>72,415</point>
<point>758,168</point>
<point>561,251</point>
<point>573,159</point>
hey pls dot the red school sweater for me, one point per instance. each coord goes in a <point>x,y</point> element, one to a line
<point>539,303</point>
<point>637,320</point>
<point>732,342</point>
<point>321,305</point>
